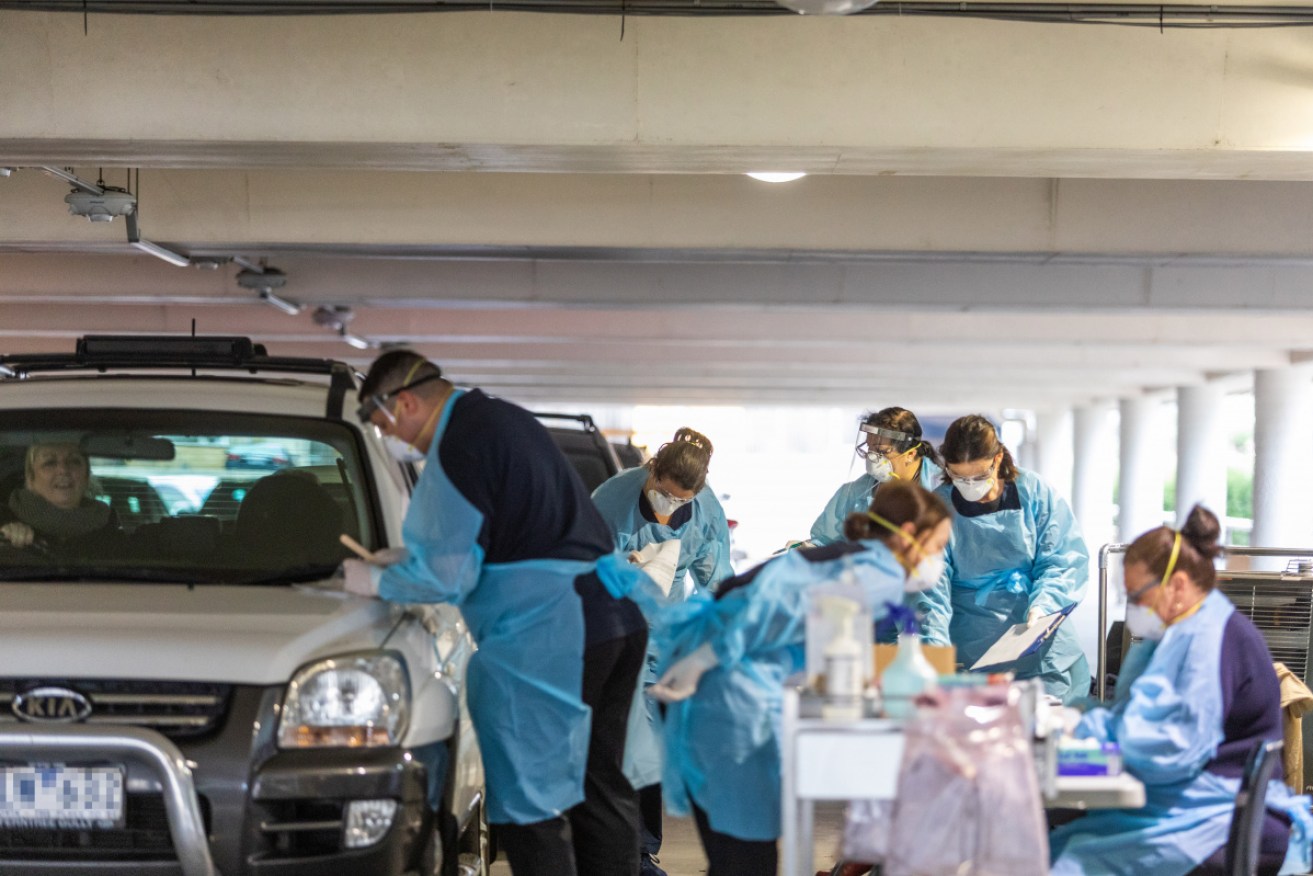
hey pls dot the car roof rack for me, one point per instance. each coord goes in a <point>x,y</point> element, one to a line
<point>584,420</point>
<point>103,353</point>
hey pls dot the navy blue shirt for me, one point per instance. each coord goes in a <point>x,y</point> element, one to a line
<point>1251,697</point>
<point>534,506</point>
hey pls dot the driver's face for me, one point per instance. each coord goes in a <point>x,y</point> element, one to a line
<point>59,475</point>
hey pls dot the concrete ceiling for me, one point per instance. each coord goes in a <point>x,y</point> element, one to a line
<point>999,215</point>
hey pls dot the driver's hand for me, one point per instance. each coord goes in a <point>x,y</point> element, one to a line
<point>18,534</point>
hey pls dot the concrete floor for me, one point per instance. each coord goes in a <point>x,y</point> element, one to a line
<point>681,854</point>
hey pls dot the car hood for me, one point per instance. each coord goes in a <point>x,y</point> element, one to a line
<point>240,635</point>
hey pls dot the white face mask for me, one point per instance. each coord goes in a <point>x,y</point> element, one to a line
<point>973,491</point>
<point>663,505</point>
<point>879,468</point>
<point>401,451</point>
<point>1143,622</point>
<point>926,574</point>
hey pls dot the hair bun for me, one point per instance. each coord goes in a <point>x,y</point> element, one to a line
<point>693,437</point>
<point>1202,530</point>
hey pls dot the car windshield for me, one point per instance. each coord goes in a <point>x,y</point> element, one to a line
<point>180,496</point>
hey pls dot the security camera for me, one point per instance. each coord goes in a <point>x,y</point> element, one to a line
<point>101,207</point>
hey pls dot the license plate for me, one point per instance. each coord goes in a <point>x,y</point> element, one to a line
<point>55,795</point>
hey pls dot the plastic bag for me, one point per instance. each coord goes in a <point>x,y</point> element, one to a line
<point>866,831</point>
<point>968,796</point>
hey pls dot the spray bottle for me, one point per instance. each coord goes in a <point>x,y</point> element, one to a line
<point>843,656</point>
<point>910,674</point>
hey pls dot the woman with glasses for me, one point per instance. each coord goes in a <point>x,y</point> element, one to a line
<point>1196,693</point>
<point>1016,555</point>
<point>890,447</point>
<point>666,500</point>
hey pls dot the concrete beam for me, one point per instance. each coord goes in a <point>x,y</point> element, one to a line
<point>506,91</point>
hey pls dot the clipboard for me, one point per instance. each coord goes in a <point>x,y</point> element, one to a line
<point>1022,641</point>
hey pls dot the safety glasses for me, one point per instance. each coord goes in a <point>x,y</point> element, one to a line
<point>378,401</point>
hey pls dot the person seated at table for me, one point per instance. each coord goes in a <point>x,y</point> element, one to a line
<point>726,689</point>
<point>1196,693</point>
<point>52,511</point>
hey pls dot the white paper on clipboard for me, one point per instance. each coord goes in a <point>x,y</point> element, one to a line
<point>1021,640</point>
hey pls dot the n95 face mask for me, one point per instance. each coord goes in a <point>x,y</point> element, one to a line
<point>973,491</point>
<point>1143,622</point>
<point>879,468</point>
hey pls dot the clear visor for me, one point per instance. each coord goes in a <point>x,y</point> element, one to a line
<point>878,441</point>
<point>378,401</point>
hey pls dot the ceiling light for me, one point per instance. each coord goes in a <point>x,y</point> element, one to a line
<point>356,341</point>
<point>173,258</point>
<point>826,7</point>
<point>102,207</point>
<point>291,308</point>
<point>771,176</point>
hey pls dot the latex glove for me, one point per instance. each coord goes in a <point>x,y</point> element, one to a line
<point>18,534</point>
<point>1034,615</point>
<point>361,578</point>
<point>681,680</point>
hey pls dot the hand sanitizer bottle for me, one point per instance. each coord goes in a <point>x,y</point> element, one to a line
<point>909,675</point>
<point>843,671</point>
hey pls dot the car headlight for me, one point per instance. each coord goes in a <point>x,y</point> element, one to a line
<point>353,701</point>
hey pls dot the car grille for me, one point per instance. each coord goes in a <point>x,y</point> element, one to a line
<point>302,828</point>
<point>143,837</point>
<point>178,709</point>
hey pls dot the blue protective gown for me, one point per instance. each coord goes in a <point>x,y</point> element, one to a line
<point>703,534</point>
<point>1184,718</point>
<point>1000,564</point>
<point>855,497</point>
<point>500,525</point>
<point>722,744</point>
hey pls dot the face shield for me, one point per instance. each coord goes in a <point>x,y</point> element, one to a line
<point>378,401</point>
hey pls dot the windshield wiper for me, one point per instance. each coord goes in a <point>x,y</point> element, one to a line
<point>84,574</point>
<point>296,575</point>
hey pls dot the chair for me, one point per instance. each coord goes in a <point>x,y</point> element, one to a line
<point>287,520</point>
<point>1245,839</point>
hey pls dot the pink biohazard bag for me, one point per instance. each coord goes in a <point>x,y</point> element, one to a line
<point>968,799</point>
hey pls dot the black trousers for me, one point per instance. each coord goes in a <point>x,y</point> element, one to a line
<point>731,856</point>
<point>600,836</point>
<point>649,804</point>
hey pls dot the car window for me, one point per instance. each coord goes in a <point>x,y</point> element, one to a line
<point>197,496</point>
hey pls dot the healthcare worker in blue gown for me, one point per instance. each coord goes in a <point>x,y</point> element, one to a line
<point>501,525</point>
<point>726,686</point>
<point>890,447</point>
<point>1195,695</point>
<point>665,500</point>
<point>1016,555</point>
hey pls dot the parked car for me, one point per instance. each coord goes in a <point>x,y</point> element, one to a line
<point>203,698</point>
<point>260,456</point>
<point>584,445</point>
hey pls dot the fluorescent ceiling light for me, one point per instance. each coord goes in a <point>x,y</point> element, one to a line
<point>775,176</point>
<point>160,252</point>
<point>356,341</point>
<point>291,308</point>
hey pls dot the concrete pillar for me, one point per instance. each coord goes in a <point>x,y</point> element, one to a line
<point>1055,449</point>
<point>1142,472</point>
<point>1094,471</point>
<point>1201,442</point>
<point>1283,474</point>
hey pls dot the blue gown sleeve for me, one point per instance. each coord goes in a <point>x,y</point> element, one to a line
<point>828,527</point>
<point>711,565</point>
<point>1168,728</point>
<point>935,605</point>
<point>441,534</point>
<point>1061,569</point>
